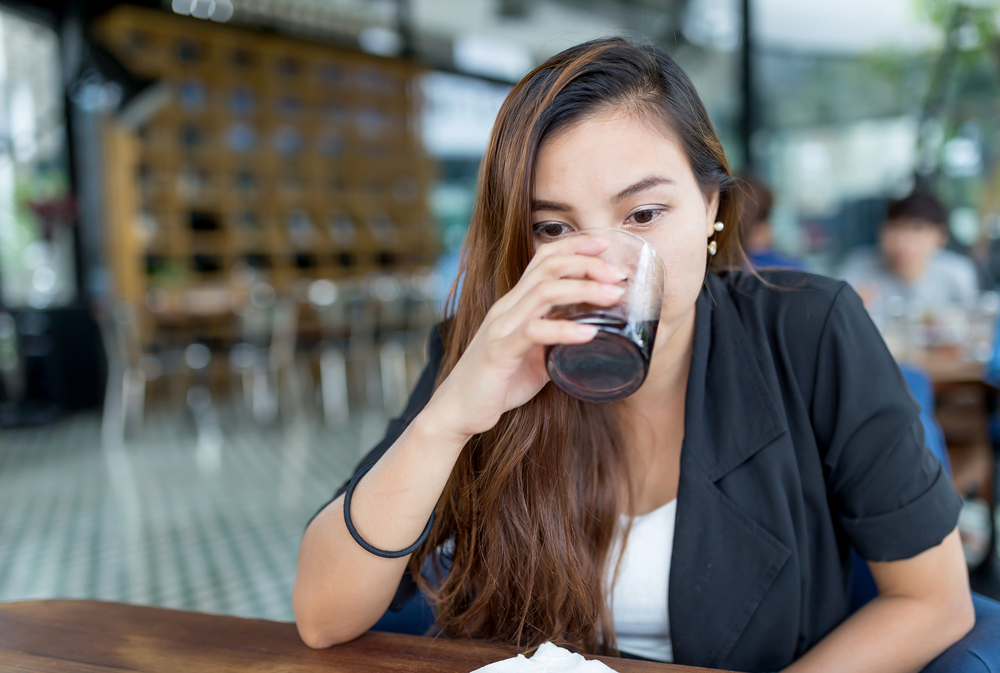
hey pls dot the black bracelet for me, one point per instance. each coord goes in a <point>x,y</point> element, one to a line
<point>357,536</point>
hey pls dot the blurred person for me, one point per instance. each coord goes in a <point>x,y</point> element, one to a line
<point>911,263</point>
<point>707,519</point>
<point>756,233</point>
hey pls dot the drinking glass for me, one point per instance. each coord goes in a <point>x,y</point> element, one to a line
<point>614,364</point>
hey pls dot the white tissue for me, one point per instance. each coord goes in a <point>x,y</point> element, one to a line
<point>548,658</point>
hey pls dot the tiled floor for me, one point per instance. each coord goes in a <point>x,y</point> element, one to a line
<point>170,518</point>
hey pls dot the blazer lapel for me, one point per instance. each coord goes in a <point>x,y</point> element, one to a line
<point>723,562</point>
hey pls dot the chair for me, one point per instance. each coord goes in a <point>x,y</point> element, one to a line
<point>923,391</point>
<point>415,618</point>
<point>327,301</point>
<point>421,317</point>
<point>364,373</point>
<point>12,383</point>
<point>388,300</point>
<point>265,357</point>
<point>131,368</point>
<point>978,651</point>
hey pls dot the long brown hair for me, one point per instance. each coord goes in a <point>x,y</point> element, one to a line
<point>529,514</point>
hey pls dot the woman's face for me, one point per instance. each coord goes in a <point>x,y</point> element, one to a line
<point>615,170</point>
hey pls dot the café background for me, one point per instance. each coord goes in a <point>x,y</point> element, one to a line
<point>227,227</point>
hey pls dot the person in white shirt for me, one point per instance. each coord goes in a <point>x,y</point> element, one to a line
<point>910,267</point>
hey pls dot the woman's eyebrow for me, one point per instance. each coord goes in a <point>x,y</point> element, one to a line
<point>550,205</point>
<point>641,186</point>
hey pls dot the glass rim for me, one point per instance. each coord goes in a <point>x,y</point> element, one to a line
<point>601,230</point>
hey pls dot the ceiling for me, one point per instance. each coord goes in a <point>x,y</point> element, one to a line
<point>533,30</point>
<point>541,28</point>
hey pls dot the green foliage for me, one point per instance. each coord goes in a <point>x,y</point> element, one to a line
<point>980,21</point>
<point>937,12</point>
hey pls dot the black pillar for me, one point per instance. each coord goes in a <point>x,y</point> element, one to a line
<point>748,122</point>
<point>404,26</point>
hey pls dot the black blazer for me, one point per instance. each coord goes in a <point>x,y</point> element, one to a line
<point>801,440</point>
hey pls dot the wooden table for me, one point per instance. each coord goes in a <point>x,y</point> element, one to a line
<point>82,636</point>
<point>961,395</point>
<point>945,370</point>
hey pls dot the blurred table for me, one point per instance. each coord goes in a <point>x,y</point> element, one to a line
<point>962,408</point>
<point>945,369</point>
<point>93,637</point>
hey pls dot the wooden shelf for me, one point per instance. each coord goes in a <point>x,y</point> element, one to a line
<point>269,153</point>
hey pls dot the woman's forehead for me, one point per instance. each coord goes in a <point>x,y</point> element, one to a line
<point>608,153</point>
<point>648,120</point>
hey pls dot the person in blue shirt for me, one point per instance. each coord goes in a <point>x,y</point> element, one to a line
<point>756,232</point>
<point>910,264</point>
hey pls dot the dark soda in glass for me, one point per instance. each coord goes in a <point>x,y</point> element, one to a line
<point>610,367</point>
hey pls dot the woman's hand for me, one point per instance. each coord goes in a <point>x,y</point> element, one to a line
<point>504,365</point>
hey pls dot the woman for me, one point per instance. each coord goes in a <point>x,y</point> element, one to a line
<point>774,431</point>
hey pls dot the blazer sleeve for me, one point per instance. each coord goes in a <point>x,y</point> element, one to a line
<point>887,491</point>
<point>418,400</point>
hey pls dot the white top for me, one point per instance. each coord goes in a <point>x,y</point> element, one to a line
<point>639,594</point>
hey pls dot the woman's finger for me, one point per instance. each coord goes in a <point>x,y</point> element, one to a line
<point>561,266</point>
<point>578,266</point>
<point>542,332</point>
<point>551,293</point>
<point>571,245</point>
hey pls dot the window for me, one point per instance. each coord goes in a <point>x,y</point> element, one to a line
<point>36,238</point>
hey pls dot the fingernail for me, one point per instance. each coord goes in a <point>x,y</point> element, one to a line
<point>616,290</point>
<point>599,239</point>
<point>586,330</point>
<point>618,272</point>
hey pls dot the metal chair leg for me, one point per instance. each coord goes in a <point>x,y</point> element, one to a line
<point>392,362</point>
<point>333,386</point>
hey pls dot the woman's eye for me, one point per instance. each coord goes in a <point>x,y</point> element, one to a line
<point>644,216</point>
<point>551,229</point>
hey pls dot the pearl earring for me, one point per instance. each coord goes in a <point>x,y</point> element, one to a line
<point>713,247</point>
